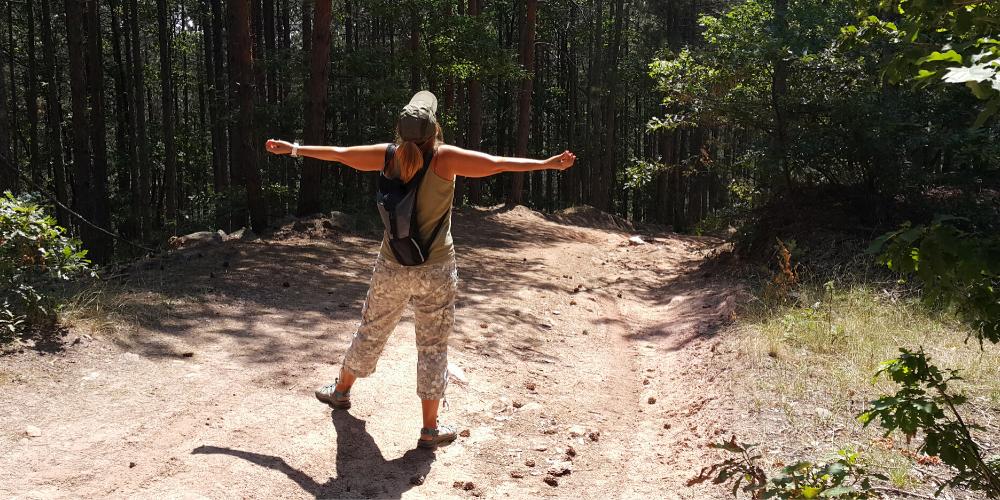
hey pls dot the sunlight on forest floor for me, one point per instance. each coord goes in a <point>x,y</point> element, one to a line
<point>813,355</point>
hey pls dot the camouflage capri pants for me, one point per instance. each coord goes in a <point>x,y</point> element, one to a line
<point>432,289</point>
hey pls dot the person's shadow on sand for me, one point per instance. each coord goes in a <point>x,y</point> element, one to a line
<point>362,471</point>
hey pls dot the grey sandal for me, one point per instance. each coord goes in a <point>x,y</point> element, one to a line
<point>331,396</point>
<point>443,434</point>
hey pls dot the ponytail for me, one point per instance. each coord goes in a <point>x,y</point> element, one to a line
<point>410,160</point>
<point>410,156</point>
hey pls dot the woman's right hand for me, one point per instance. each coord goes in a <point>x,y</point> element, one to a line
<point>278,147</point>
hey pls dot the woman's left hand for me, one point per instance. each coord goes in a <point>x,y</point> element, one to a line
<point>562,161</point>
<point>278,147</point>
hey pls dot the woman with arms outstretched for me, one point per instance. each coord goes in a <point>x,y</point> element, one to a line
<point>432,284</point>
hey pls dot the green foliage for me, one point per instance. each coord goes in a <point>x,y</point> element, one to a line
<point>938,41</point>
<point>957,269</point>
<point>32,250</point>
<point>919,404</point>
<point>842,125</point>
<point>961,271</point>
<point>639,173</point>
<point>838,476</point>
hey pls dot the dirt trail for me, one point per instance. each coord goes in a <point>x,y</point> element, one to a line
<point>577,352</point>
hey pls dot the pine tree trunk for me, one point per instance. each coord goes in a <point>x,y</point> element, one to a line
<point>244,152</point>
<point>99,142</point>
<point>524,94</point>
<point>122,128</point>
<point>12,109</point>
<point>779,88</point>
<point>608,170</point>
<point>165,25</point>
<point>221,100</point>
<point>213,109</point>
<point>315,126</point>
<point>8,177</point>
<point>475,120</point>
<point>83,199</point>
<point>269,45</point>
<point>53,115</point>
<point>144,193</point>
<point>31,99</point>
<point>414,48</point>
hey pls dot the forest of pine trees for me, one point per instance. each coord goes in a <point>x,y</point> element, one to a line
<point>148,117</point>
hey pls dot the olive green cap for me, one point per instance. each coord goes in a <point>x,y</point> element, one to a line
<point>416,121</point>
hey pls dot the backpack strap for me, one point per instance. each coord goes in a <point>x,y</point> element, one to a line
<point>390,153</point>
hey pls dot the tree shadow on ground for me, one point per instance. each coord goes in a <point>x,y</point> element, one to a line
<point>42,338</point>
<point>286,301</point>
<point>361,470</point>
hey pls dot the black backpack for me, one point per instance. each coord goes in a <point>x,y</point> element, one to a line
<point>397,204</point>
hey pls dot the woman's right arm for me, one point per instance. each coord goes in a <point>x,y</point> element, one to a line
<point>368,158</point>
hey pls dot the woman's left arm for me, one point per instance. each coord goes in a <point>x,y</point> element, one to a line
<point>369,158</point>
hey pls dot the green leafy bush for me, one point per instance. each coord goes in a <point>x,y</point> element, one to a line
<point>33,250</point>
<point>959,271</point>
<point>839,476</point>
<point>920,404</point>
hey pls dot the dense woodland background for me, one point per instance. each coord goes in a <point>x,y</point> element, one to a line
<point>148,118</point>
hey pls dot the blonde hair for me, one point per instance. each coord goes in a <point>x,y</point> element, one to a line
<point>410,155</point>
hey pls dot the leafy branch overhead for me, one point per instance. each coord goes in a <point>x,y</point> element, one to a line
<point>937,41</point>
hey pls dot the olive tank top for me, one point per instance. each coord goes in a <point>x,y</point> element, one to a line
<point>434,199</point>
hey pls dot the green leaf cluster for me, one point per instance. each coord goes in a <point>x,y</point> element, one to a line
<point>957,269</point>
<point>33,250</point>
<point>837,476</point>
<point>919,404</point>
<point>937,41</point>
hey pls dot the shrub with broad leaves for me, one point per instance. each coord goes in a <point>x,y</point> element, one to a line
<point>33,251</point>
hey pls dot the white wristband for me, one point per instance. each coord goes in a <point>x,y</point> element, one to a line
<point>295,149</point>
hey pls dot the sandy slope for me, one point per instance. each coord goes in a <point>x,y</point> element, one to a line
<point>579,352</point>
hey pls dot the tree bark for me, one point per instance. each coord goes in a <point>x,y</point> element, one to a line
<point>595,96</point>
<point>165,25</point>
<point>142,190</point>
<point>12,110</point>
<point>269,47</point>
<point>524,95</point>
<point>83,196</point>
<point>414,48</point>
<point>315,126</point>
<point>475,119</point>
<point>8,178</point>
<point>122,128</point>
<point>99,143</point>
<point>244,153</point>
<point>53,115</point>
<point>607,173</point>
<point>779,88</point>
<point>221,100</point>
<point>31,98</point>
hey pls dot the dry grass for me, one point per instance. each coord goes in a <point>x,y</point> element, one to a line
<point>811,359</point>
<point>846,334</point>
<point>107,310</point>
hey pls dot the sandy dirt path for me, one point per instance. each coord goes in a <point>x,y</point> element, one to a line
<point>587,367</point>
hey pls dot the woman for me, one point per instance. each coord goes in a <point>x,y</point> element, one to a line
<point>431,285</point>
